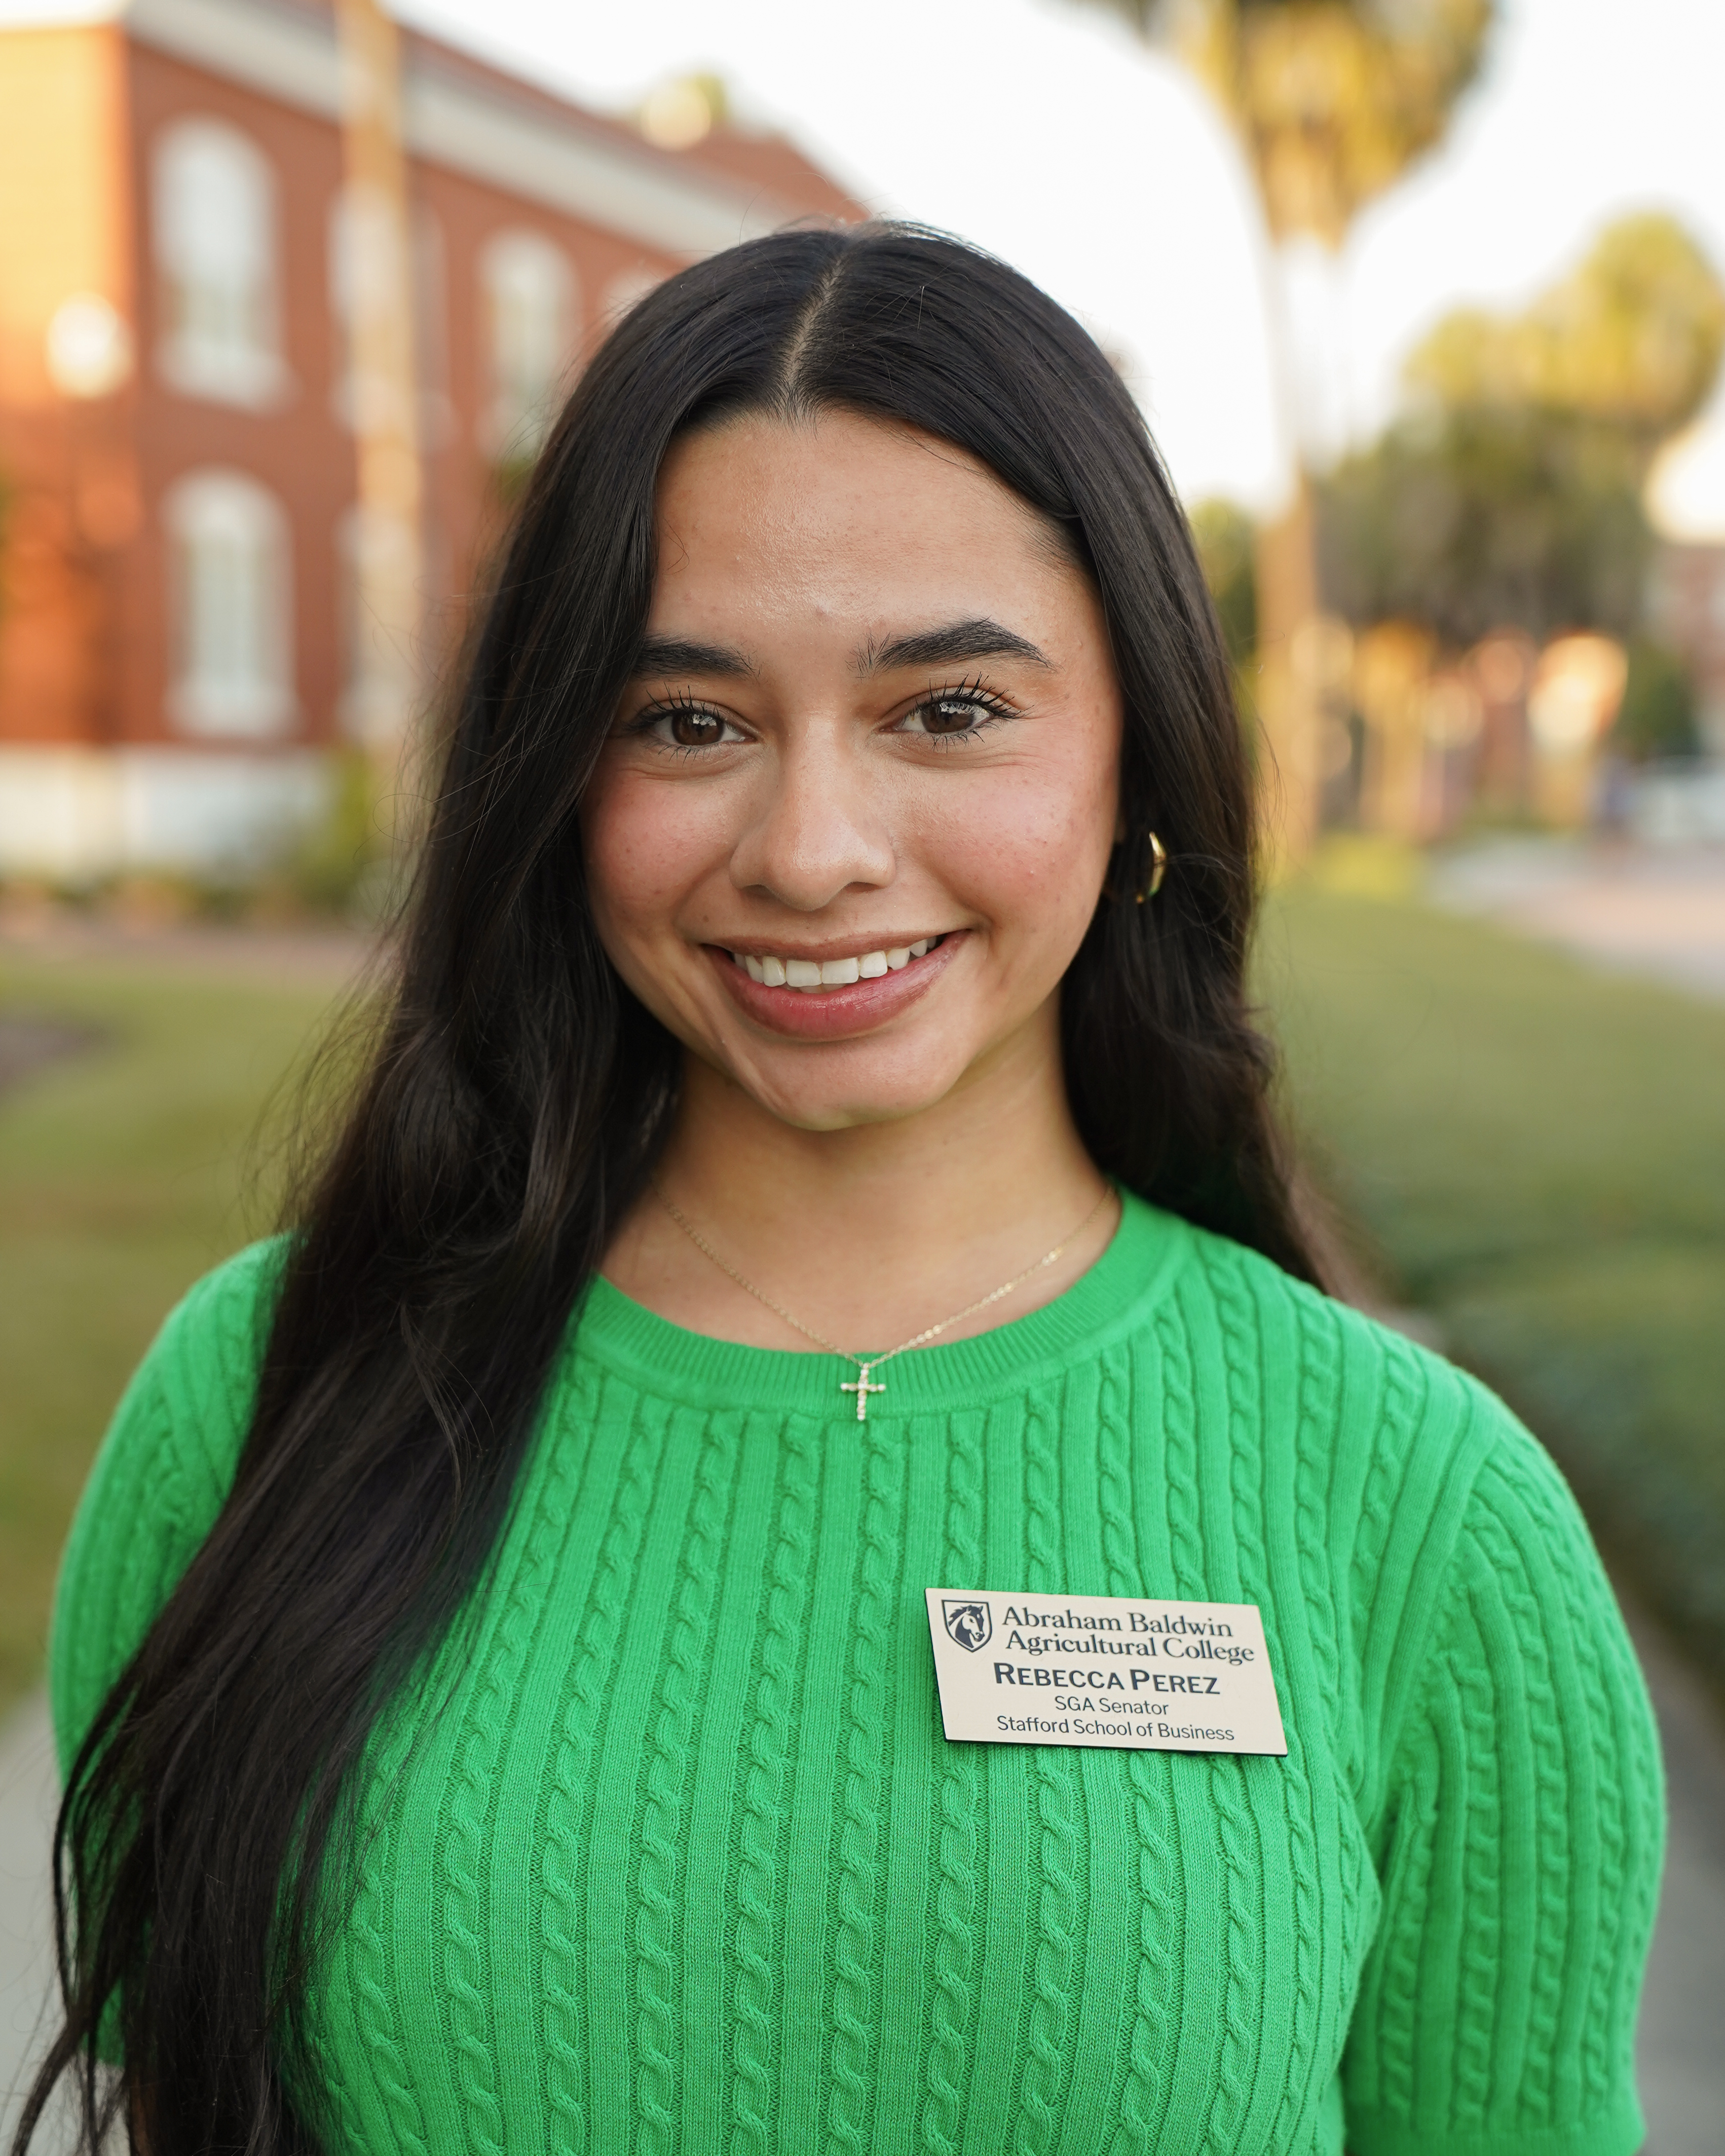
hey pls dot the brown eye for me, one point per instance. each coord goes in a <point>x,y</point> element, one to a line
<point>696,729</point>
<point>949,715</point>
<point>942,717</point>
<point>685,729</point>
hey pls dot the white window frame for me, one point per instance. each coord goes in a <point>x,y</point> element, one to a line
<point>526,388</point>
<point>222,333</point>
<point>230,600</point>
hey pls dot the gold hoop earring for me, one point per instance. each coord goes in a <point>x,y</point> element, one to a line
<point>1158,869</point>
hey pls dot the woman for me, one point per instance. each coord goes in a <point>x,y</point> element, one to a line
<point>818,1153</point>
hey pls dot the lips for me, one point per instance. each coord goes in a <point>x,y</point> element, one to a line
<point>843,1000</point>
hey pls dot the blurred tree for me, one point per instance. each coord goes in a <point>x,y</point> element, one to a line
<point>341,864</point>
<point>1657,717</point>
<point>1225,536</point>
<point>1488,516</point>
<point>1633,338</point>
<point>1512,491</point>
<point>1332,100</point>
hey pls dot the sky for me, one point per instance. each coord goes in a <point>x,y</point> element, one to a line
<point>1044,131</point>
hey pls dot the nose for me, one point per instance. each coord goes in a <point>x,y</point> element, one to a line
<point>820,829</point>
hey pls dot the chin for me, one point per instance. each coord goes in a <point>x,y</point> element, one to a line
<point>836,1105</point>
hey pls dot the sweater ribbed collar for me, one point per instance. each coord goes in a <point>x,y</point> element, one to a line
<point>1135,1271</point>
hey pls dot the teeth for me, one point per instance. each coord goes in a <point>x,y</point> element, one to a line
<point>805,974</point>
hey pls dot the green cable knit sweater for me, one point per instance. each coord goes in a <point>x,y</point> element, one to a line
<point>685,1863</point>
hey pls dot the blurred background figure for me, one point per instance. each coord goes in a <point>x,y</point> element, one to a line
<point>1424,300</point>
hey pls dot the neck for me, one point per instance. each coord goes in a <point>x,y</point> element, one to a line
<point>869,1233</point>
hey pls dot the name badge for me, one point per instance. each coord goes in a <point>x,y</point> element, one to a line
<point>1104,1670</point>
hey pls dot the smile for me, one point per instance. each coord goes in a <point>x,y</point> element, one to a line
<point>811,976</point>
<point>835,999</point>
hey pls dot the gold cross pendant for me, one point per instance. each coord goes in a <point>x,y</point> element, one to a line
<point>861,1386</point>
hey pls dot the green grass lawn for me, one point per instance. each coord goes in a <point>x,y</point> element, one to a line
<point>125,1170</point>
<point>1537,1150</point>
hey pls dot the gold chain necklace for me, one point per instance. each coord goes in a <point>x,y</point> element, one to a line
<point>866,1365</point>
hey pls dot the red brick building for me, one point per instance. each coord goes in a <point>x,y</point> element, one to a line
<point>179,249</point>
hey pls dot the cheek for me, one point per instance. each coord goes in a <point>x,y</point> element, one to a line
<point>646,844</point>
<point>1030,850</point>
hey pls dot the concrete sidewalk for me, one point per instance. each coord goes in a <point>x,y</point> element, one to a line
<point>1623,908</point>
<point>29,1787</point>
<point>1681,2045</point>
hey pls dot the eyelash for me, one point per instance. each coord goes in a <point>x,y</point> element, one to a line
<point>671,707</point>
<point>967,692</point>
<point>984,699</point>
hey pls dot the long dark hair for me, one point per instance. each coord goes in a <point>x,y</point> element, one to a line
<point>516,1100</point>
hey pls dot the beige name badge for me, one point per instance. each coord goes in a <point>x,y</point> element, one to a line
<point>1103,1669</point>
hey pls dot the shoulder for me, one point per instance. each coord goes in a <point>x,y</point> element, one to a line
<point>1406,1480</point>
<point>161,1476</point>
<point>186,1412</point>
<point>1331,1374</point>
<point>1373,1403</point>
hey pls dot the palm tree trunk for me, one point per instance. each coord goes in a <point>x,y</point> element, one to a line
<point>1286,565</point>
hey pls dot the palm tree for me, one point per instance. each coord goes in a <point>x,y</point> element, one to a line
<point>379,310</point>
<point>1332,100</point>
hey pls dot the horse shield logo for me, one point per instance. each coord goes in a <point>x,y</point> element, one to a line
<point>969,1624</point>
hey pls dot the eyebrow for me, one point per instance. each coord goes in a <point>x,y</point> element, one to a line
<point>951,646</point>
<point>681,654</point>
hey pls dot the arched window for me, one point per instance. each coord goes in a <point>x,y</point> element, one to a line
<point>530,316</point>
<point>232,606</point>
<point>215,239</point>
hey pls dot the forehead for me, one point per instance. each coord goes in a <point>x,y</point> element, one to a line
<point>844,515</point>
